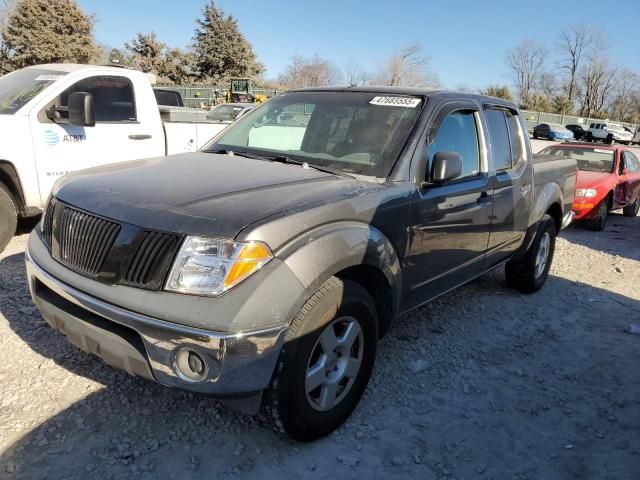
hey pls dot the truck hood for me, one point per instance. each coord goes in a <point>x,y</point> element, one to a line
<point>201,193</point>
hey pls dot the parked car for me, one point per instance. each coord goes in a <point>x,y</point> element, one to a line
<point>608,133</point>
<point>167,97</point>
<point>266,267</point>
<point>59,118</point>
<point>229,112</point>
<point>578,131</point>
<point>552,131</point>
<point>636,137</point>
<point>608,179</point>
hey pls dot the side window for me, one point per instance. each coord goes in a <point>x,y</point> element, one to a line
<point>593,125</point>
<point>113,98</point>
<point>631,162</point>
<point>459,133</point>
<point>499,133</point>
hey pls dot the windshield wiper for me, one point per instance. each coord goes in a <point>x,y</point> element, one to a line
<point>289,160</point>
<point>239,153</point>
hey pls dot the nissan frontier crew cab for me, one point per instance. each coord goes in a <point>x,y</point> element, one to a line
<point>59,118</point>
<point>265,268</point>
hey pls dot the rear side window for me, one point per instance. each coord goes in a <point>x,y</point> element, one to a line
<point>459,133</point>
<point>499,134</point>
<point>113,98</point>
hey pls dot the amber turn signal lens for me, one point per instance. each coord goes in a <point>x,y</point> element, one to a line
<point>250,258</point>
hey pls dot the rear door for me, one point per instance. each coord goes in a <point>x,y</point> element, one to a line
<point>119,133</point>
<point>512,182</point>
<point>450,222</point>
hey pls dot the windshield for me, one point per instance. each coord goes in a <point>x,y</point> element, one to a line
<point>353,132</point>
<point>588,159</point>
<point>17,88</point>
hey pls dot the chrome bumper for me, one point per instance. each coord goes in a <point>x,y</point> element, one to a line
<point>568,218</point>
<point>236,364</point>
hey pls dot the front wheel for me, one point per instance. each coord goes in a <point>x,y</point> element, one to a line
<point>8,217</point>
<point>325,364</point>
<point>599,221</point>
<point>529,273</point>
<point>589,137</point>
<point>633,209</point>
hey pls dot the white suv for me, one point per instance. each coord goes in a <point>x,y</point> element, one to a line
<point>608,133</point>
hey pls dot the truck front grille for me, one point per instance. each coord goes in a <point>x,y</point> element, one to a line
<point>152,260</point>
<point>85,240</point>
<point>106,250</point>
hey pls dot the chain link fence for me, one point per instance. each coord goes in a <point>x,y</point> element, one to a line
<point>534,118</point>
<point>205,96</point>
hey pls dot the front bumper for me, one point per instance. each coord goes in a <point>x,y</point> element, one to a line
<point>237,364</point>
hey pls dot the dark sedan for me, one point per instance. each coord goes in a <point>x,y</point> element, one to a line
<point>578,132</point>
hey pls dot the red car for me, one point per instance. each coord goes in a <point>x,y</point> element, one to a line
<point>608,179</point>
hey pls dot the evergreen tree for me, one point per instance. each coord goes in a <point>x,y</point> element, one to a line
<point>48,31</point>
<point>147,52</point>
<point>221,49</point>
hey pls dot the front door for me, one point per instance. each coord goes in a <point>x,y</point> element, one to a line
<point>118,135</point>
<point>628,188</point>
<point>450,222</point>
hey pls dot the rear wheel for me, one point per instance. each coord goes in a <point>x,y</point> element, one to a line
<point>599,221</point>
<point>8,216</point>
<point>633,209</point>
<point>610,140</point>
<point>325,363</point>
<point>529,273</point>
<point>589,137</point>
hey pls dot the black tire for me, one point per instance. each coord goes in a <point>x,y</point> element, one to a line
<point>8,217</point>
<point>525,274</point>
<point>610,140</point>
<point>633,209</point>
<point>599,221</point>
<point>535,135</point>
<point>589,137</point>
<point>286,405</point>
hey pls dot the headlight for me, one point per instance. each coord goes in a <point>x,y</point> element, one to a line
<point>586,192</point>
<point>211,266</point>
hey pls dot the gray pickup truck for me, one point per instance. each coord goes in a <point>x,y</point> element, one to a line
<point>264,269</point>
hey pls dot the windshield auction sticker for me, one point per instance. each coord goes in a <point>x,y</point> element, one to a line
<point>407,102</point>
<point>48,78</point>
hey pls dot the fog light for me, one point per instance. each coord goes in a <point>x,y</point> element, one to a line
<point>190,366</point>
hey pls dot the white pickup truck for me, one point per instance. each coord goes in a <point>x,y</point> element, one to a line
<point>59,118</point>
<point>608,133</point>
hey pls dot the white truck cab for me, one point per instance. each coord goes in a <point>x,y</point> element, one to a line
<point>608,133</point>
<point>42,137</point>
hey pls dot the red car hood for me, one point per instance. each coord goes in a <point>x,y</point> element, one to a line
<point>593,179</point>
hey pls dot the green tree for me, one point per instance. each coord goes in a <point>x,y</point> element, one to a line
<point>221,49</point>
<point>48,31</point>
<point>561,104</point>
<point>500,91</point>
<point>147,52</point>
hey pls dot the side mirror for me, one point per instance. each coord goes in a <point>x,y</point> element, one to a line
<point>81,111</point>
<point>446,166</point>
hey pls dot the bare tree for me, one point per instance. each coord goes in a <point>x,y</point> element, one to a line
<point>354,74</point>
<point>574,43</point>
<point>625,91</point>
<point>596,79</point>
<point>310,72</point>
<point>527,63</point>
<point>408,68</point>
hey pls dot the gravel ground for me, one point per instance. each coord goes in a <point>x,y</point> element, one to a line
<point>482,383</point>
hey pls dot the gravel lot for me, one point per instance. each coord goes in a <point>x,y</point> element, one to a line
<point>483,383</point>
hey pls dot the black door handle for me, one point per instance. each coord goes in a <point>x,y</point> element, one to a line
<point>140,137</point>
<point>484,198</point>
